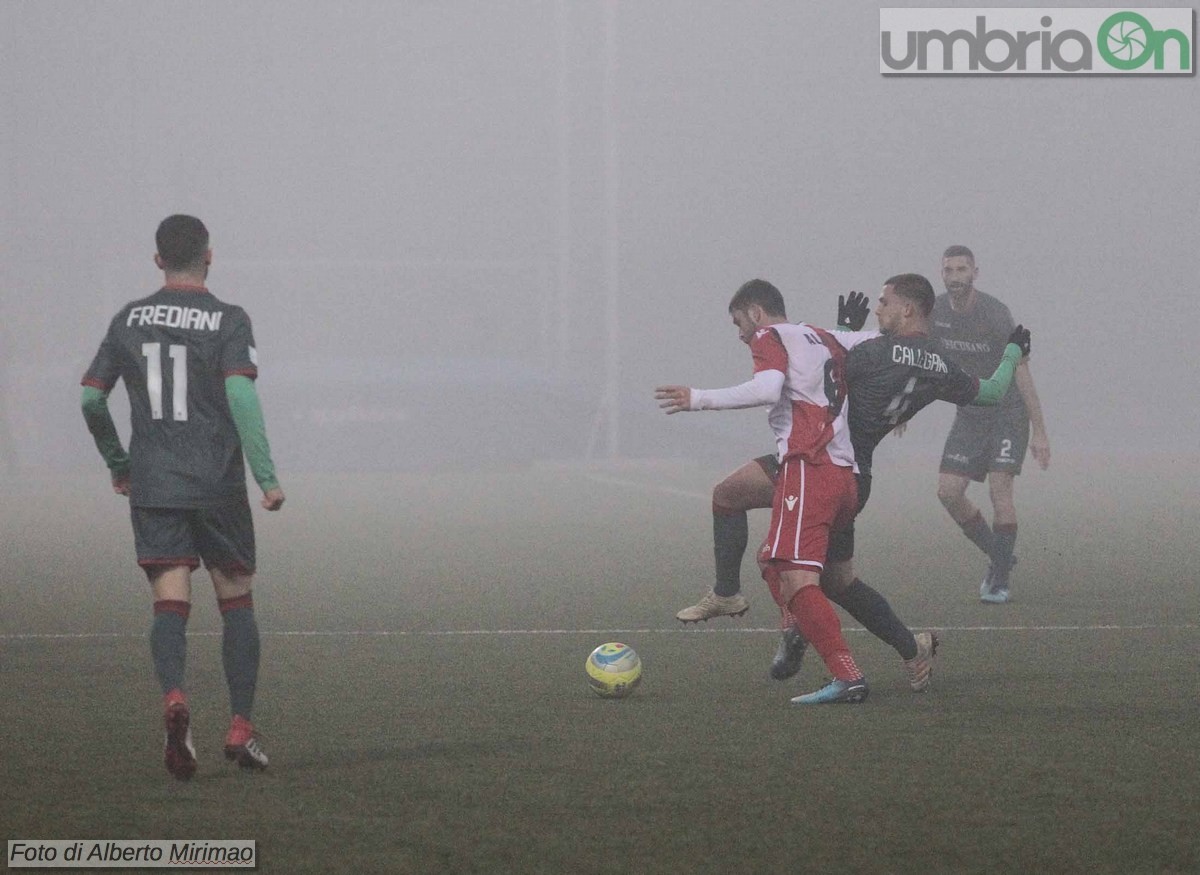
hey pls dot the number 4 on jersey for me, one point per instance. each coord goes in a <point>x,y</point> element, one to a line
<point>901,401</point>
<point>154,371</point>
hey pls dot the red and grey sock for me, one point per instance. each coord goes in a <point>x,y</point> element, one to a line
<point>168,642</point>
<point>977,529</point>
<point>240,652</point>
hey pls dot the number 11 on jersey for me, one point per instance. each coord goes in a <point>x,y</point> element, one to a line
<point>178,354</point>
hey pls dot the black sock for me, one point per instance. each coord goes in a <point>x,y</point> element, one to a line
<point>1002,553</point>
<point>240,653</point>
<point>976,528</point>
<point>730,535</point>
<point>168,643</point>
<point>873,611</point>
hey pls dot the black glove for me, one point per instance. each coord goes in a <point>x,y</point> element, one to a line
<point>852,311</point>
<point>1020,336</point>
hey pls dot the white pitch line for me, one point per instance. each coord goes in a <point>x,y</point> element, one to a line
<point>452,633</point>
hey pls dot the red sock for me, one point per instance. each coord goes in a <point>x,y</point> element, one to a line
<point>787,620</point>
<point>818,623</point>
<point>771,576</point>
<point>233,604</point>
<point>168,606</point>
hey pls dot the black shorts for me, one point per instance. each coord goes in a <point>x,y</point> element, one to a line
<point>977,446</point>
<point>221,537</point>
<point>770,466</point>
<point>841,541</point>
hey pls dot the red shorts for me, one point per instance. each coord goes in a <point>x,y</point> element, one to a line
<point>810,501</point>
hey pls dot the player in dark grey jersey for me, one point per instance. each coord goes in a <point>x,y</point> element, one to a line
<point>892,374</point>
<point>970,327</point>
<point>189,362</point>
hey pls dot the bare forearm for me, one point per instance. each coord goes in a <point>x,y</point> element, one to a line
<point>1024,381</point>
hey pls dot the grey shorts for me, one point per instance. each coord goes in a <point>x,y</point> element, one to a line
<point>221,537</point>
<point>977,446</point>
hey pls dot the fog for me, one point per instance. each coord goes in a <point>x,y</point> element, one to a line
<point>483,232</point>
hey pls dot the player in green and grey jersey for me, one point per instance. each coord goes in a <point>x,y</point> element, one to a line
<point>893,374</point>
<point>970,327</point>
<point>189,362</point>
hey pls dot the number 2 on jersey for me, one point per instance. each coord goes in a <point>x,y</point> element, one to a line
<point>177,352</point>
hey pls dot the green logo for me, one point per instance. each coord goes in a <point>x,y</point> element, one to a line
<point>1127,40</point>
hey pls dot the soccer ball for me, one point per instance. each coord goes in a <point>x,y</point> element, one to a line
<point>613,670</point>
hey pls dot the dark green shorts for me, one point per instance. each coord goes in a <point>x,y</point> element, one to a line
<point>978,445</point>
<point>221,537</point>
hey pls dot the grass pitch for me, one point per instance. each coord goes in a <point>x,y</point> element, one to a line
<point>425,705</point>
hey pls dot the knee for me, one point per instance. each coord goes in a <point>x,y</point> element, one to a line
<point>950,492</point>
<point>763,557</point>
<point>945,495</point>
<point>835,580</point>
<point>172,583</point>
<point>725,496</point>
<point>746,488</point>
<point>232,584</point>
<point>792,580</point>
<point>831,588</point>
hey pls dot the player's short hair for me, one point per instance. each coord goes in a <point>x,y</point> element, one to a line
<point>182,242</point>
<point>957,249</point>
<point>915,288</point>
<point>763,294</point>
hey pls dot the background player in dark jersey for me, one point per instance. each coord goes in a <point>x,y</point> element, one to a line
<point>971,327</point>
<point>189,363</point>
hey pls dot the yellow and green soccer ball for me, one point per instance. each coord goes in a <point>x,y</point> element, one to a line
<point>614,670</point>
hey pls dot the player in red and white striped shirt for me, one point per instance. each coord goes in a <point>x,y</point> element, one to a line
<point>799,374</point>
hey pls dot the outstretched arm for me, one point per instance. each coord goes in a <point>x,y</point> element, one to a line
<point>995,387</point>
<point>764,389</point>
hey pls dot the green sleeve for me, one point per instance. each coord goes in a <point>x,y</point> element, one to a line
<point>248,417</point>
<point>104,430</point>
<point>996,386</point>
